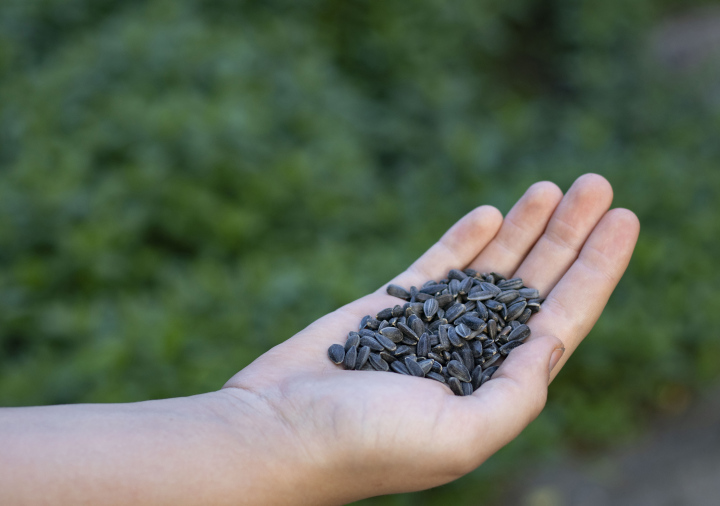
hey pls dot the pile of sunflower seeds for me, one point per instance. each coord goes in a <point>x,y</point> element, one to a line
<point>456,331</point>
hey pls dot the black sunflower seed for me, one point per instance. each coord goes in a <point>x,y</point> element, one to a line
<point>392,333</point>
<point>336,353</point>
<point>506,348</point>
<point>433,289</point>
<point>352,340</point>
<point>350,357</point>
<point>378,363</point>
<point>487,374</point>
<point>414,368</point>
<point>435,376</point>
<point>519,334</point>
<point>362,357</point>
<point>507,296</point>
<point>386,343</point>
<point>458,370</point>
<point>398,291</point>
<point>430,307</point>
<point>385,314</point>
<point>510,284</point>
<point>455,385</point>
<point>399,367</point>
<point>371,343</point>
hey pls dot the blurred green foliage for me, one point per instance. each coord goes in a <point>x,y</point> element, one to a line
<point>177,176</point>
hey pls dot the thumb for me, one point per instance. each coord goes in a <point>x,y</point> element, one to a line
<point>517,392</point>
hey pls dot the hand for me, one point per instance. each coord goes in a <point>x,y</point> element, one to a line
<point>370,433</point>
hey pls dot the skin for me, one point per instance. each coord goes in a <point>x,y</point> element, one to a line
<point>292,428</point>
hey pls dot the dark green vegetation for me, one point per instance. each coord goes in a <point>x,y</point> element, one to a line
<point>176,174</point>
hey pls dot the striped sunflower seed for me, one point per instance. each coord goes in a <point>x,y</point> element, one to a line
<point>378,363</point>
<point>336,353</point>
<point>455,385</point>
<point>362,357</point>
<point>458,370</point>
<point>350,357</point>
<point>398,291</point>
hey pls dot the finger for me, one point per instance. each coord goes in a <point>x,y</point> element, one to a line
<point>520,230</point>
<point>583,206</point>
<point>512,398</point>
<point>455,249</point>
<point>576,302</point>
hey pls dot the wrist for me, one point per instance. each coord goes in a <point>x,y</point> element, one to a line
<point>281,459</point>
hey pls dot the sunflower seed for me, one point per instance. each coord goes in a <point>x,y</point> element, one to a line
<point>488,363</point>
<point>529,293</point>
<point>465,286</point>
<point>352,340</point>
<point>457,274</point>
<point>507,296</point>
<point>423,346</point>
<point>385,314</point>
<point>336,353</point>
<point>398,291</point>
<point>386,343</point>
<point>399,367</point>
<point>371,343</point>
<point>492,329</point>
<point>444,299</point>
<point>350,358</point>
<point>426,365</point>
<point>490,287</point>
<point>515,310</point>
<point>433,289</point>
<point>435,376</point>
<point>480,295</point>
<point>468,359</point>
<point>458,370</point>
<point>454,311</point>
<point>534,304</point>
<point>455,385</point>
<point>392,333</point>
<point>387,357</point>
<point>473,322</point>
<point>506,348</point>
<point>519,334</point>
<point>378,363</point>
<point>477,349</point>
<point>493,305</point>
<point>467,388</point>
<point>454,339</point>
<point>430,307</point>
<point>475,377</point>
<point>362,357</point>
<point>437,358</point>
<point>487,374</point>
<point>414,368</point>
<point>463,331</point>
<point>510,284</point>
<point>523,318</point>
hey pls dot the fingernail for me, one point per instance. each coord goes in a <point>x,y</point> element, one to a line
<point>555,357</point>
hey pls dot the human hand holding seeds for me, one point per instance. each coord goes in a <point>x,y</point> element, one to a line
<point>293,428</point>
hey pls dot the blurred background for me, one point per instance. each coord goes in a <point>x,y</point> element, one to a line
<point>186,183</point>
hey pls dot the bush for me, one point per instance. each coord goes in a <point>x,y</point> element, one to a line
<point>186,183</point>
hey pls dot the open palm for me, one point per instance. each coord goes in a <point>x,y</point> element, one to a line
<point>403,433</point>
